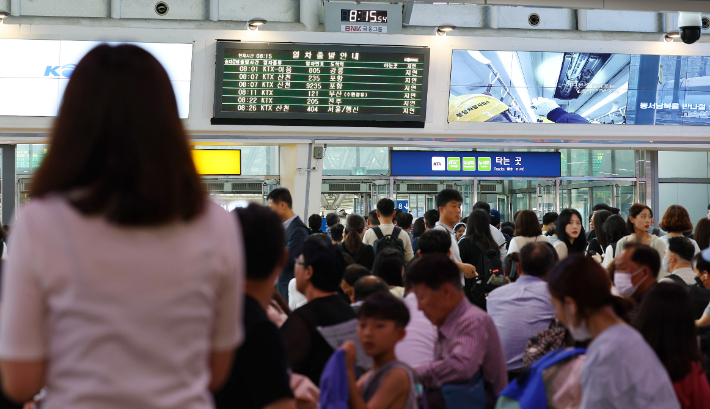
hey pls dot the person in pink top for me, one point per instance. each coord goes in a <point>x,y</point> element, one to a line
<point>467,341</point>
<point>125,285</point>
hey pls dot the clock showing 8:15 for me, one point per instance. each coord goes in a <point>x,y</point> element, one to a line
<point>363,16</point>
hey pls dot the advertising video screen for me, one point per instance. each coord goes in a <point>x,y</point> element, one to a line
<point>579,88</point>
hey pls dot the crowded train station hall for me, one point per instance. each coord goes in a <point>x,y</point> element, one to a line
<point>331,204</point>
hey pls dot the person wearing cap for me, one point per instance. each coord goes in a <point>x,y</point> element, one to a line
<point>495,222</point>
<point>498,237</point>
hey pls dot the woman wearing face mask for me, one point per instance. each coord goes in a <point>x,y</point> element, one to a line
<point>700,292</point>
<point>639,221</point>
<point>616,370</point>
<point>570,234</point>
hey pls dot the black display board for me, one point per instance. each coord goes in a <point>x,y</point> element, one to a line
<point>320,84</point>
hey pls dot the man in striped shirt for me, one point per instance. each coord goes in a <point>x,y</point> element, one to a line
<point>467,337</point>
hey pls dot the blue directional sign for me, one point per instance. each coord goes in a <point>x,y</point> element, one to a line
<point>402,205</point>
<point>469,164</point>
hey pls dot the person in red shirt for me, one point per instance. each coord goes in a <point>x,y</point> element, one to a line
<point>666,321</point>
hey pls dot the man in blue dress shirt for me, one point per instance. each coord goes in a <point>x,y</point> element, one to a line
<point>523,309</point>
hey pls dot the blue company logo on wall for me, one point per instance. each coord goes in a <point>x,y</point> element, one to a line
<point>60,70</point>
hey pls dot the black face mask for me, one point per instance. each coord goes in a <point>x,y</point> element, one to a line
<point>699,281</point>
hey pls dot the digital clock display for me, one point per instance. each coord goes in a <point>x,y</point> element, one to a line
<point>363,16</point>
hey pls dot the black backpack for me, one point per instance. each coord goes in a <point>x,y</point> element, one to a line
<point>490,276</point>
<point>388,241</point>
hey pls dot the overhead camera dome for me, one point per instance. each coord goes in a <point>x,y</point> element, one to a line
<point>690,26</point>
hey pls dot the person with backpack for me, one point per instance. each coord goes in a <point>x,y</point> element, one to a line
<point>361,253</point>
<point>676,261</point>
<point>479,249</point>
<point>387,235</point>
<point>449,202</point>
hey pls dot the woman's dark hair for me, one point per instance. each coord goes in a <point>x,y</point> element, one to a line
<point>702,233</point>
<point>418,228</point>
<point>388,266</point>
<point>527,224</point>
<point>565,218</point>
<point>676,220</point>
<point>665,319</point>
<point>585,281</point>
<point>634,211</point>
<point>615,229</point>
<point>118,147</point>
<point>479,229</point>
<point>599,219</point>
<point>355,226</point>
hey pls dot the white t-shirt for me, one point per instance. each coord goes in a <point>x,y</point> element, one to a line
<point>695,243</point>
<point>455,255</point>
<point>417,347</point>
<point>519,242</point>
<point>621,371</point>
<point>370,237</point>
<point>126,316</point>
<point>499,238</point>
<point>296,300</point>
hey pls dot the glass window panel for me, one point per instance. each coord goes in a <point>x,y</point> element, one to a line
<point>601,163</point>
<point>342,160</point>
<point>682,164</point>
<point>623,164</point>
<point>693,196</point>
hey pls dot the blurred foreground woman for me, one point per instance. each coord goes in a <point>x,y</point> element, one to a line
<point>125,285</point>
<point>621,371</point>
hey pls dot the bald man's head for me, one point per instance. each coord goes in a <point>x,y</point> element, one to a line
<point>368,285</point>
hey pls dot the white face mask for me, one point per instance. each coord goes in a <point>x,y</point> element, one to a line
<point>579,332</point>
<point>623,283</point>
<point>665,263</point>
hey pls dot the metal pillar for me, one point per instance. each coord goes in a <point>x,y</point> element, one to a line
<point>9,182</point>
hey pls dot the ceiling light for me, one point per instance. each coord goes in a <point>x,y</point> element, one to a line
<point>254,23</point>
<point>671,35</point>
<point>442,30</point>
<point>3,14</point>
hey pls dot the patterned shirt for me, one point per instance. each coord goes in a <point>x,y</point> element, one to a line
<point>467,341</point>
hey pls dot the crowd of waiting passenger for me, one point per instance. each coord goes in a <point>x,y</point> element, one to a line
<point>124,286</point>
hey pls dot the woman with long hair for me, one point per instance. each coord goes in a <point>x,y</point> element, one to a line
<point>125,288</point>
<point>477,243</point>
<point>702,233</point>
<point>527,230</point>
<point>620,370</point>
<point>598,243</point>
<point>418,228</point>
<point>676,221</point>
<point>615,229</point>
<point>570,233</point>
<point>389,265</point>
<point>665,319</point>
<point>361,253</point>
<point>639,221</point>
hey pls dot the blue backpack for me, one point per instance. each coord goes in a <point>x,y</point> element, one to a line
<point>529,393</point>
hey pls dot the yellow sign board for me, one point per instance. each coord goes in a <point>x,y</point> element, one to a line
<point>217,162</point>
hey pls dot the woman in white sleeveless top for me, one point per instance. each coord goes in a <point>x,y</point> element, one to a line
<point>527,230</point>
<point>124,289</point>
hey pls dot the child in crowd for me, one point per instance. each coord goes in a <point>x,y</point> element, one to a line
<point>389,383</point>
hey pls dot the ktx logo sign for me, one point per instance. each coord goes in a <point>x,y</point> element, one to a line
<point>60,71</point>
<point>438,163</point>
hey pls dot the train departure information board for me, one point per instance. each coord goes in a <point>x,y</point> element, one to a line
<point>313,82</point>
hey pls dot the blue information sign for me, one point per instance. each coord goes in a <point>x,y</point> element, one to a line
<point>465,164</point>
<point>403,205</point>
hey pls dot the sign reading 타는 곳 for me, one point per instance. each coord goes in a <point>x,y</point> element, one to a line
<point>469,164</point>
